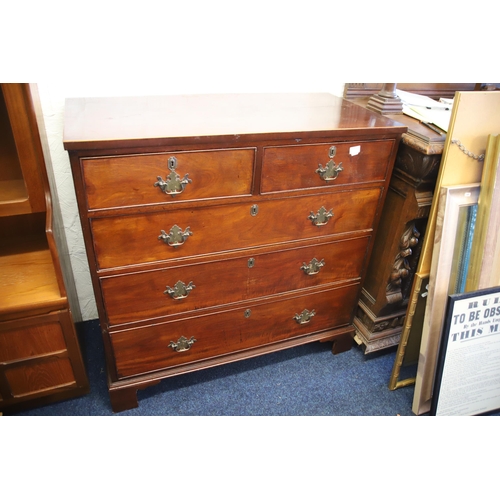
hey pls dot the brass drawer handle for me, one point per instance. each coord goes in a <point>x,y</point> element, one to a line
<point>304,317</point>
<point>180,290</point>
<point>173,184</point>
<point>176,236</point>
<point>321,217</point>
<point>313,267</point>
<point>331,170</point>
<point>183,344</point>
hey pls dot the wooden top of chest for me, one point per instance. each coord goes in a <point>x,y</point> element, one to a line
<point>108,122</point>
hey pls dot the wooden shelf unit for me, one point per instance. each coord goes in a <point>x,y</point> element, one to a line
<point>40,357</point>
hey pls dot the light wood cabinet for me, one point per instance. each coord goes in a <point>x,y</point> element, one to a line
<point>40,357</point>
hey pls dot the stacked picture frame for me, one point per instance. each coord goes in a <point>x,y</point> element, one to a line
<point>475,116</point>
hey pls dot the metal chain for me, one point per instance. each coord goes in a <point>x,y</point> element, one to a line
<point>467,152</point>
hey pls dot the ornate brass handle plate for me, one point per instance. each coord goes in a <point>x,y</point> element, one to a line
<point>321,217</point>
<point>173,184</point>
<point>180,290</point>
<point>183,344</point>
<point>304,317</point>
<point>331,170</point>
<point>313,267</point>
<point>176,236</point>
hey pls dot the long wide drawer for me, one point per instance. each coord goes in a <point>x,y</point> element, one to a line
<point>160,346</point>
<point>162,292</point>
<point>120,181</point>
<point>286,168</point>
<point>136,239</point>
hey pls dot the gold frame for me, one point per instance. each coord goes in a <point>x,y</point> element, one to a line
<point>409,344</point>
<point>484,271</point>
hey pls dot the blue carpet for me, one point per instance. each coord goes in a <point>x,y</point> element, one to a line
<point>302,381</point>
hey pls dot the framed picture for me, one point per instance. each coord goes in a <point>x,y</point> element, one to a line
<point>468,371</point>
<point>455,224</point>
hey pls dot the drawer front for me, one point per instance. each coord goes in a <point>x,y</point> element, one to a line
<point>136,239</point>
<point>36,378</point>
<point>151,348</point>
<point>288,168</point>
<point>153,294</point>
<point>25,342</point>
<point>120,181</point>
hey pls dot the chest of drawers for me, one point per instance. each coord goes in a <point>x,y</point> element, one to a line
<point>223,227</point>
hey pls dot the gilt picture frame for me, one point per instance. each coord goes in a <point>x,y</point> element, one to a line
<point>484,271</point>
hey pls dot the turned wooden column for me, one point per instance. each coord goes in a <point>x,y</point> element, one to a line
<point>386,101</point>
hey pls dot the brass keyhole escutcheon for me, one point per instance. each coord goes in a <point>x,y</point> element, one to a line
<point>254,210</point>
<point>172,163</point>
<point>251,262</point>
<point>248,313</point>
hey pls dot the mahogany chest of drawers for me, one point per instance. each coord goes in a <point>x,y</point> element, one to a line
<point>223,227</point>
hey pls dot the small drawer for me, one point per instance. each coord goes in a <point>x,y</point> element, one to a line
<point>159,293</point>
<point>287,168</point>
<point>121,181</point>
<point>171,344</point>
<point>136,239</point>
<point>43,376</point>
<point>25,342</point>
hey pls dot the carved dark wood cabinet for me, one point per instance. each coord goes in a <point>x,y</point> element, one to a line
<point>384,297</point>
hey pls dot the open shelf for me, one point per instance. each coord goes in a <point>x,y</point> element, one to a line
<point>12,192</point>
<point>12,187</point>
<point>21,183</point>
<point>28,281</point>
<point>13,198</point>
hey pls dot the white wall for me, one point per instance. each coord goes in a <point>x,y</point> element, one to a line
<point>53,95</point>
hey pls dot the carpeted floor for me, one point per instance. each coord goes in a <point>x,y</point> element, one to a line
<point>306,380</point>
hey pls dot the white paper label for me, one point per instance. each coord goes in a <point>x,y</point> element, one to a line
<point>354,150</point>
